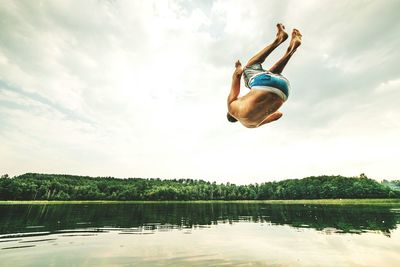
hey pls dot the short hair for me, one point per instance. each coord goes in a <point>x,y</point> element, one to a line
<point>230,117</point>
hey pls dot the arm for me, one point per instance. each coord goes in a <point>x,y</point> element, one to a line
<point>272,117</point>
<point>235,87</point>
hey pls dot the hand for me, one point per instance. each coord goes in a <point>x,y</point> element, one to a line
<point>238,68</point>
<point>238,64</point>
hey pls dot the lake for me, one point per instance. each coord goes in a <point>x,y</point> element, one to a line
<point>199,234</point>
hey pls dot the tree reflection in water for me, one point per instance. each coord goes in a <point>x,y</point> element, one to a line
<point>167,216</point>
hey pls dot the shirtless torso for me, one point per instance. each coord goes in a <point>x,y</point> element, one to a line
<point>259,107</point>
<point>256,108</point>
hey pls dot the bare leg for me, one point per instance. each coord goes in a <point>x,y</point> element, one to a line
<point>260,57</point>
<point>294,43</point>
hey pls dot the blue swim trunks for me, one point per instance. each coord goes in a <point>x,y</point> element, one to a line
<point>257,78</point>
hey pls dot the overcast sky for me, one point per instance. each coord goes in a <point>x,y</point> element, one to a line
<point>138,89</point>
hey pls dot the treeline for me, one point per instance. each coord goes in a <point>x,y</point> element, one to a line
<point>395,184</point>
<point>33,186</point>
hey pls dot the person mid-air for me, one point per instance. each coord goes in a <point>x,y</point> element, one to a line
<point>268,89</point>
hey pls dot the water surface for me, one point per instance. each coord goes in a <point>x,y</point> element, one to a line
<point>199,234</point>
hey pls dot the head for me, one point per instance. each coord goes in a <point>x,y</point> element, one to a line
<point>230,117</point>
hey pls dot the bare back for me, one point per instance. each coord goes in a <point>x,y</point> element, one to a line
<point>255,107</point>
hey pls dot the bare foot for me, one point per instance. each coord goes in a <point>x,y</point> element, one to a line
<point>295,41</point>
<point>238,67</point>
<point>281,35</point>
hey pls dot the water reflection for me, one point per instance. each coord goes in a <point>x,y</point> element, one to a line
<point>32,220</point>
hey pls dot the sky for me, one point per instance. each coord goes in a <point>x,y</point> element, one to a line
<point>139,88</point>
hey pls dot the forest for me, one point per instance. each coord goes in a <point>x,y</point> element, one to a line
<point>34,186</point>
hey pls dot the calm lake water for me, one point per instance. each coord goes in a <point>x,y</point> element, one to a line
<point>211,234</point>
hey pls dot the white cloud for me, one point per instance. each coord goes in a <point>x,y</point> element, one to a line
<point>138,88</point>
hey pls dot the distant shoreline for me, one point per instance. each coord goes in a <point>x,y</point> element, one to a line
<point>56,187</point>
<point>282,202</point>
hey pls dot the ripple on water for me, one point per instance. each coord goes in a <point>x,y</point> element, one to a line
<point>79,235</point>
<point>34,226</point>
<point>29,234</point>
<point>17,247</point>
<point>38,240</point>
<point>9,240</point>
<point>135,233</point>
